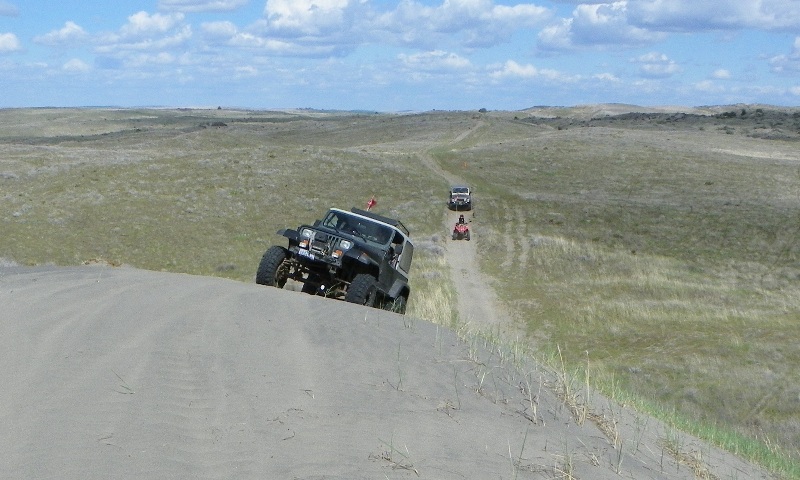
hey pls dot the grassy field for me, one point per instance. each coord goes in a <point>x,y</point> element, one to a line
<point>667,258</point>
<point>663,252</point>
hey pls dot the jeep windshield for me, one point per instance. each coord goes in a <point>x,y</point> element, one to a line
<point>358,226</point>
<point>461,190</point>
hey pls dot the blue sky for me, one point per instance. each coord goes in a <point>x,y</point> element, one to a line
<point>394,56</point>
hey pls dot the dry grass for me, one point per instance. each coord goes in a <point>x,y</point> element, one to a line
<point>667,252</point>
<point>670,261</point>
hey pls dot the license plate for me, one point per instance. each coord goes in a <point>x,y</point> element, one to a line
<point>307,254</point>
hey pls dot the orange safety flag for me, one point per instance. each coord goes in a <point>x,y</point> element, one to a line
<point>371,202</point>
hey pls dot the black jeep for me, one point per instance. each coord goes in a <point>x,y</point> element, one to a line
<point>359,256</point>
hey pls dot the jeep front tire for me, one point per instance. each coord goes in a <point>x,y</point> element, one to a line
<point>363,290</point>
<point>273,270</point>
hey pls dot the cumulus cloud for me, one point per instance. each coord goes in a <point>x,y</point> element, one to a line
<point>143,24</point>
<point>787,63</point>
<point>598,25</point>
<point>434,61</point>
<point>70,34</point>
<point>76,65</point>
<point>707,86</point>
<point>246,71</point>
<point>657,65</point>
<point>146,32</point>
<point>223,29</point>
<point>9,43</point>
<point>721,74</point>
<point>693,15</point>
<point>228,34</point>
<point>473,23</point>
<point>512,69</point>
<point>188,6</point>
<point>308,17</point>
<point>147,59</point>
<point>606,77</point>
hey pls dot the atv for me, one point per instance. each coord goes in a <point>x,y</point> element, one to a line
<point>357,256</point>
<point>461,230</point>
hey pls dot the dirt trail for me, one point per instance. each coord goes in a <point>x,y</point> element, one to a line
<point>477,300</point>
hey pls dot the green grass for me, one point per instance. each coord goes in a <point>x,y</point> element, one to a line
<point>669,255</point>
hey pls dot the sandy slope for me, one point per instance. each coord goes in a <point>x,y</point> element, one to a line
<point>124,373</point>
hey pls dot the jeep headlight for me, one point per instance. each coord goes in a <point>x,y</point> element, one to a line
<point>345,245</point>
<point>306,235</point>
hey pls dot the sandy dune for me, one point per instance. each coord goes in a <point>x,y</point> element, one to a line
<point>124,373</point>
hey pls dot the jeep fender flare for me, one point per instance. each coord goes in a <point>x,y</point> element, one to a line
<point>360,256</point>
<point>290,233</point>
<point>399,287</point>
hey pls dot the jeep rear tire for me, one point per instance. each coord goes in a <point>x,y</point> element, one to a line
<point>273,270</point>
<point>363,290</point>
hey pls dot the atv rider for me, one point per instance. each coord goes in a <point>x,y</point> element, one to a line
<point>461,219</point>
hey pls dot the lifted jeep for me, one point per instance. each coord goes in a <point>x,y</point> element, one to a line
<point>459,198</point>
<point>358,256</point>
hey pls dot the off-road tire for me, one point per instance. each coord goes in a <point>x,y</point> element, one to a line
<point>466,236</point>
<point>454,235</point>
<point>272,270</point>
<point>363,290</point>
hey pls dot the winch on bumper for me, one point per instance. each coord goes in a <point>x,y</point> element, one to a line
<point>359,256</point>
<point>320,246</point>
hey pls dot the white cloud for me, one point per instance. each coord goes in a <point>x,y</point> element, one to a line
<point>76,66</point>
<point>434,61</point>
<point>201,5</point>
<point>606,77</point>
<point>787,63</point>
<point>146,32</point>
<point>70,33</point>
<point>9,43</point>
<point>308,17</point>
<point>472,23</point>
<point>795,90</point>
<point>179,38</point>
<point>600,25</point>
<point>145,59</point>
<point>721,74</point>
<point>657,65</point>
<point>246,71</point>
<point>219,29</point>
<point>557,36</point>
<point>142,24</point>
<point>708,86</point>
<point>228,34</point>
<point>512,69</point>
<point>694,15</point>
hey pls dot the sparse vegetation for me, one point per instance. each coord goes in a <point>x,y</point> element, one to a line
<point>665,251</point>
